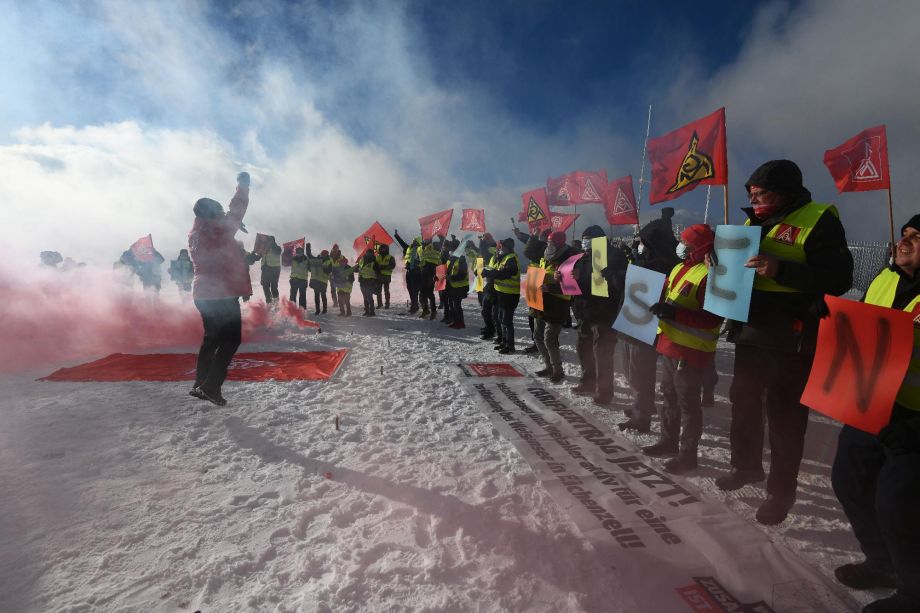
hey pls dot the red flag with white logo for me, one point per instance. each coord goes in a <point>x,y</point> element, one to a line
<point>143,250</point>
<point>578,187</point>
<point>560,222</point>
<point>473,220</point>
<point>375,235</point>
<point>620,202</point>
<point>536,211</point>
<point>287,250</point>
<point>436,224</point>
<point>861,163</point>
<point>688,157</point>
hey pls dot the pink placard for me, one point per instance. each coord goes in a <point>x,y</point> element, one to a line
<point>569,284</point>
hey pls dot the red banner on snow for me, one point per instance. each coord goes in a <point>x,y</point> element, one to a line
<point>536,211</point>
<point>578,187</point>
<point>861,163</point>
<point>143,250</point>
<point>436,224</point>
<point>687,157</point>
<point>473,220</point>
<point>862,357</point>
<point>369,238</point>
<point>287,250</point>
<point>303,365</point>
<point>560,222</point>
<point>620,203</point>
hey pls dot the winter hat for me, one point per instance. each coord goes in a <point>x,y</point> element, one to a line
<point>488,237</point>
<point>508,244</point>
<point>699,237</point>
<point>667,213</point>
<point>323,253</point>
<point>782,176</point>
<point>592,232</point>
<point>557,238</point>
<point>335,247</point>
<point>913,222</point>
<point>384,249</point>
<point>344,260</point>
<point>205,207</point>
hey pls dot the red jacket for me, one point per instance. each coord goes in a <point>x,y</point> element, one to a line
<point>220,267</point>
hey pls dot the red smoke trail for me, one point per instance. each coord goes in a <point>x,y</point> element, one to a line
<point>54,318</point>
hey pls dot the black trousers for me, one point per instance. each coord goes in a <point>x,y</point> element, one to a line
<point>383,292</point>
<point>680,414</point>
<point>454,310</point>
<point>299,292</point>
<point>488,312</point>
<point>643,364</point>
<point>319,296</point>
<point>507,305</point>
<point>222,337</point>
<point>880,494</point>
<point>426,291</point>
<point>368,290</point>
<point>595,345</point>
<point>269,280</point>
<point>769,381</point>
<point>413,284</point>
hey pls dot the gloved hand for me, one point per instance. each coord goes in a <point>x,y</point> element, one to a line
<point>819,308</point>
<point>663,310</point>
<point>242,179</point>
<point>901,437</point>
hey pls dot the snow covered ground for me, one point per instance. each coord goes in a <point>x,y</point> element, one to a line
<point>136,497</point>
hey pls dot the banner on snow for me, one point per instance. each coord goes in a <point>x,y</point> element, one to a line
<point>675,550</point>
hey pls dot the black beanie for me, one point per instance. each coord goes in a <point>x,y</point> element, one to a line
<point>593,232</point>
<point>782,176</point>
<point>205,207</point>
<point>667,212</point>
<point>913,222</point>
<point>508,244</point>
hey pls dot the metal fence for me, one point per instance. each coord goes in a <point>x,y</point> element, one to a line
<point>868,260</point>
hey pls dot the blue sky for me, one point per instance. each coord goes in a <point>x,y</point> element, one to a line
<point>117,115</point>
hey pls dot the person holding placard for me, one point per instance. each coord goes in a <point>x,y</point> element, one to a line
<point>597,341</point>
<point>687,337</point>
<point>548,322</point>
<point>877,478</point>
<point>803,255</point>
<point>656,251</point>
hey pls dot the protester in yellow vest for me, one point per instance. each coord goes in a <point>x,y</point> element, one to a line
<point>413,270</point>
<point>335,255</point>
<point>803,255</point>
<point>458,286</point>
<point>367,280</point>
<point>271,271</point>
<point>506,279</point>
<point>687,337</point>
<point>386,263</point>
<point>548,322</point>
<point>877,478</point>
<point>429,259</point>
<point>487,251</point>
<point>344,276</point>
<point>320,270</point>
<point>300,276</point>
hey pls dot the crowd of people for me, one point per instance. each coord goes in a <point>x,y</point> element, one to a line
<point>803,256</point>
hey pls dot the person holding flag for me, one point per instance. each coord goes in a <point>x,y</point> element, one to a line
<point>413,268</point>
<point>687,337</point>
<point>221,278</point>
<point>877,478</point>
<point>803,255</point>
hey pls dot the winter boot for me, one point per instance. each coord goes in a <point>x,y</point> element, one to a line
<point>774,509</point>
<point>683,463</point>
<point>738,478</point>
<point>866,575</point>
<point>660,449</point>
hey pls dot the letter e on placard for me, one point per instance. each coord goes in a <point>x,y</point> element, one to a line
<point>862,357</point>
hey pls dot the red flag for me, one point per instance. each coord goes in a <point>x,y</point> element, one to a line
<point>436,224</point>
<point>473,220</point>
<point>578,187</point>
<point>536,210</point>
<point>861,163</point>
<point>287,250</point>
<point>375,235</point>
<point>560,222</point>
<point>620,202</point>
<point>687,157</point>
<point>143,250</point>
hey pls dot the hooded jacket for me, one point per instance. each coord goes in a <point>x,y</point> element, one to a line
<point>220,270</point>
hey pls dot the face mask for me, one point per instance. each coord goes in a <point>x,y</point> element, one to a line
<point>641,248</point>
<point>682,251</point>
<point>764,211</point>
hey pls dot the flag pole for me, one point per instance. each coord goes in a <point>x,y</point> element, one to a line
<point>706,211</point>
<point>725,200</point>
<point>891,222</point>
<point>575,207</point>
<point>648,127</point>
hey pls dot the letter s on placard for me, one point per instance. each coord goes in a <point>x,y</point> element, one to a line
<point>644,316</point>
<point>723,244</point>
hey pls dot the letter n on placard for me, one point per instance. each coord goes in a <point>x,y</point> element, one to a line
<point>862,357</point>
